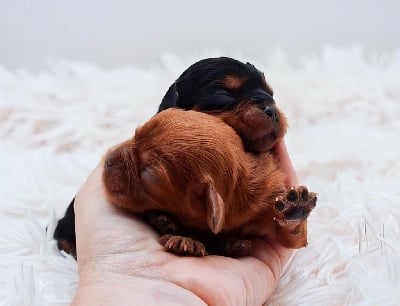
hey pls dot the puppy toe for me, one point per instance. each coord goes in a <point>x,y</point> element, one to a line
<point>184,246</point>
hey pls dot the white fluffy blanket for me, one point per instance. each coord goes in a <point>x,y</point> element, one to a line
<point>344,138</point>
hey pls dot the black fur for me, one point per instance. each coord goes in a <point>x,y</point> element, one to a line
<point>202,86</point>
<point>65,229</point>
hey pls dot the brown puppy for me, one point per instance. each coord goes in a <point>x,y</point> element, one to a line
<point>193,167</point>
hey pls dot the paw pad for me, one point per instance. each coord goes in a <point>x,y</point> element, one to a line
<point>292,195</point>
<point>304,194</point>
<point>296,204</point>
<point>279,205</point>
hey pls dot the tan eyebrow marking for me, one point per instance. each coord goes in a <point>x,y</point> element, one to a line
<point>233,82</point>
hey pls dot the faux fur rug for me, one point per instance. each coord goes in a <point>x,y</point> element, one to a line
<point>343,108</point>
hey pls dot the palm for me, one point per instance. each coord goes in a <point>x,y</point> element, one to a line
<point>110,240</point>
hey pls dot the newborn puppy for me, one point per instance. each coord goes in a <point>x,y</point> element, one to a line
<point>234,91</point>
<point>193,167</point>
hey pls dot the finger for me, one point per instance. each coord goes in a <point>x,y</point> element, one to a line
<point>91,199</point>
<point>92,206</point>
<point>274,257</point>
<point>287,166</point>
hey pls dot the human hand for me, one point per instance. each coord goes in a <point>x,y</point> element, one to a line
<point>120,260</point>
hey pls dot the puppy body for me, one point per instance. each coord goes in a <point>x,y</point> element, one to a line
<point>239,95</point>
<point>193,166</point>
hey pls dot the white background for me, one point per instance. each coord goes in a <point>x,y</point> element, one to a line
<point>121,32</point>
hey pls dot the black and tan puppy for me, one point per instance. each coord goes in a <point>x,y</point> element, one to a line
<point>234,91</point>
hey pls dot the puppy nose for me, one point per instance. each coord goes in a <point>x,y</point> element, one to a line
<point>107,164</point>
<point>271,112</point>
<point>111,161</point>
<point>114,161</point>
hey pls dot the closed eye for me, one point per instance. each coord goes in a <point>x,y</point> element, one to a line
<point>259,104</point>
<point>152,183</point>
<point>219,100</point>
<point>221,92</point>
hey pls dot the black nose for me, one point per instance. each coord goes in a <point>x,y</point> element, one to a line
<point>107,164</point>
<point>271,112</point>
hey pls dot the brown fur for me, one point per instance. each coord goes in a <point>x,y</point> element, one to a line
<point>233,82</point>
<point>193,167</point>
<point>254,127</point>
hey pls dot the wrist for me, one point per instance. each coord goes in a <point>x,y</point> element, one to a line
<point>133,291</point>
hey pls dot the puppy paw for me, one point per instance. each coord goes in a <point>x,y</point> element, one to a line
<point>230,247</point>
<point>294,206</point>
<point>67,246</point>
<point>237,247</point>
<point>161,222</point>
<point>184,246</point>
<point>291,212</point>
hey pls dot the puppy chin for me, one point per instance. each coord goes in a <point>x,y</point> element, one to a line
<point>273,132</point>
<point>258,132</point>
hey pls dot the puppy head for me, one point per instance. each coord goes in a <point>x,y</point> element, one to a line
<point>236,91</point>
<point>136,173</point>
<point>259,126</point>
<point>180,162</point>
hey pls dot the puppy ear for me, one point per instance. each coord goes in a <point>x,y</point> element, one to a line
<point>170,99</point>
<point>215,209</point>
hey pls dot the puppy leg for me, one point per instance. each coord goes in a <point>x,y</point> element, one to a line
<point>292,234</point>
<point>161,222</point>
<point>184,246</point>
<point>231,247</point>
<point>65,231</point>
<point>291,212</point>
